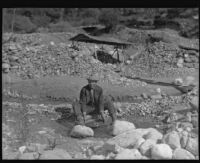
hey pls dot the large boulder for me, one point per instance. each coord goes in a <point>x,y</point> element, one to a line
<point>122,126</point>
<point>139,143</point>
<point>128,154</point>
<point>146,146</point>
<point>172,139</point>
<point>154,135</point>
<point>130,138</point>
<point>180,153</point>
<point>192,146</point>
<point>55,154</point>
<point>161,151</point>
<point>127,139</point>
<point>80,131</point>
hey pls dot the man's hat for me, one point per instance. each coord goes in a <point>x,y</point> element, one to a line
<point>94,78</point>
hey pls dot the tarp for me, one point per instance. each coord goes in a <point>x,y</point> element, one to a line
<point>99,40</point>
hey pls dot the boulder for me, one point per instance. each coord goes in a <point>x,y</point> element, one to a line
<point>128,138</point>
<point>108,147</point>
<point>80,131</point>
<point>139,142</point>
<point>154,135</point>
<point>128,154</point>
<point>146,146</point>
<point>122,126</point>
<point>172,139</point>
<point>55,154</point>
<point>161,151</point>
<point>97,157</point>
<point>192,146</point>
<point>180,153</point>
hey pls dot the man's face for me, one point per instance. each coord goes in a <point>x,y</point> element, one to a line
<point>91,84</point>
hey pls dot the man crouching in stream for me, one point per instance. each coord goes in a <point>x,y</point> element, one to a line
<point>92,101</point>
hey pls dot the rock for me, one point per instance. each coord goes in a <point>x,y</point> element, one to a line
<point>128,138</point>
<point>128,154</point>
<point>79,131</point>
<point>122,126</point>
<point>5,66</point>
<point>172,139</point>
<point>194,103</point>
<point>154,135</point>
<point>184,138</point>
<point>192,146</point>
<point>29,156</point>
<point>139,142</point>
<point>146,146</point>
<point>97,157</point>
<point>161,151</point>
<point>55,154</point>
<point>180,153</point>
<point>110,147</point>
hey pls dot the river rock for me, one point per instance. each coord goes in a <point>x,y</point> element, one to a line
<point>172,139</point>
<point>80,131</point>
<point>55,154</point>
<point>161,151</point>
<point>128,138</point>
<point>122,126</point>
<point>154,135</point>
<point>146,146</point>
<point>128,154</point>
<point>180,153</point>
<point>192,146</point>
<point>139,143</point>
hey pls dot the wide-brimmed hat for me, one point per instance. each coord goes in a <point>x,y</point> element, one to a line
<point>94,78</point>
